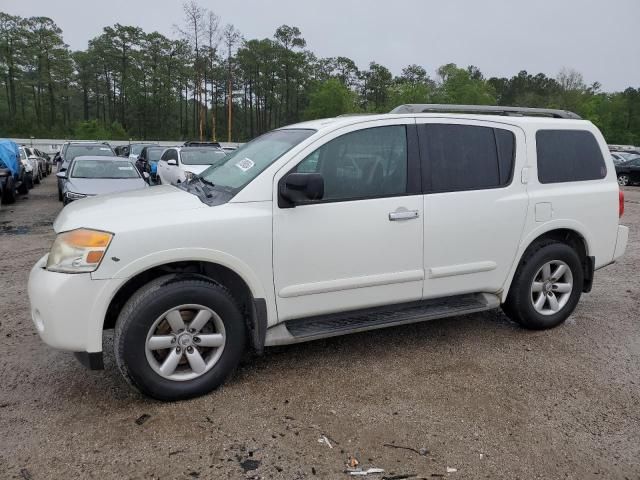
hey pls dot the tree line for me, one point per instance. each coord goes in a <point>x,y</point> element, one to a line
<point>209,82</point>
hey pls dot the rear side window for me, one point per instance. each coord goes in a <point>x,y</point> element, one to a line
<point>568,156</point>
<point>466,157</point>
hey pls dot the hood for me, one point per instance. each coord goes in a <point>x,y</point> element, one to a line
<point>113,212</point>
<point>99,186</point>
<point>195,169</point>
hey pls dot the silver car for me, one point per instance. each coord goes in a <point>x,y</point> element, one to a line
<point>88,176</point>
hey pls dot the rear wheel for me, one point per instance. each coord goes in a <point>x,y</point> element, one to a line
<point>23,189</point>
<point>623,180</point>
<point>9,192</point>
<point>38,178</point>
<point>546,287</point>
<point>179,338</point>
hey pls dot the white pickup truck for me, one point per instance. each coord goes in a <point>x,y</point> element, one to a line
<point>331,227</point>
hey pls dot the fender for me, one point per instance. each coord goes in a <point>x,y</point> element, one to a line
<point>113,284</point>
<point>558,224</point>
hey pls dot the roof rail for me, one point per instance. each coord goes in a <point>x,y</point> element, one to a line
<point>486,109</point>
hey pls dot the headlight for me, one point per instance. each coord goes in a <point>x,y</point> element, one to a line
<point>74,196</point>
<point>78,251</point>
<point>188,176</point>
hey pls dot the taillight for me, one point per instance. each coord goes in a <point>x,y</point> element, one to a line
<point>621,204</point>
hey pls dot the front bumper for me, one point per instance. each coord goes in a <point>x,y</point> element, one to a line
<point>68,309</point>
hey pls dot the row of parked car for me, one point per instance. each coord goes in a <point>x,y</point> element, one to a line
<point>21,168</point>
<point>627,163</point>
<point>94,168</point>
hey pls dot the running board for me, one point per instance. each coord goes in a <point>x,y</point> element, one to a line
<point>331,325</point>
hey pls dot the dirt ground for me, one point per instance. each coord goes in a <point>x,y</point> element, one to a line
<point>481,395</point>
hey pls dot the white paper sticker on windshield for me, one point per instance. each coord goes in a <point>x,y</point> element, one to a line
<point>125,168</point>
<point>245,164</point>
<point>105,149</point>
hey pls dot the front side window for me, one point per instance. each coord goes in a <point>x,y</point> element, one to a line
<point>466,157</point>
<point>362,164</point>
<point>243,165</point>
<point>568,156</point>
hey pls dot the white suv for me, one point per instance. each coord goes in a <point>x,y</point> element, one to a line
<point>331,227</point>
<point>180,164</point>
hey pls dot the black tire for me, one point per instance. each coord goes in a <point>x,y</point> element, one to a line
<point>23,189</point>
<point>38,178</point>
<point>60,197</point>
<point>9,192</point>
<point>29,182</point>
<point>519,306</point>
<point>147,305</point>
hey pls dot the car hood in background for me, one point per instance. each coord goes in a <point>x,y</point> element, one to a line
<point>196,169</point>
<point>113,211</point>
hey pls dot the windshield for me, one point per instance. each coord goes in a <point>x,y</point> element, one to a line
<point>74,151</point>
<point>136,148</point>
<point>246,163</point>
<point>103,169</point>
<point>23,155</point>
<point>154,154</point>
<point>201,156</point>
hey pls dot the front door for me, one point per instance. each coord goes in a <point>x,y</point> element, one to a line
<point>361,245</point>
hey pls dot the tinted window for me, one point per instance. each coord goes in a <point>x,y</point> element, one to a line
<point>466,157</point>
<point>363,164</point>
<point>77,150</point>
<point>568,156</point>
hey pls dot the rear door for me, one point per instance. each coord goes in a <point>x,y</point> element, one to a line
<point>475,203</point>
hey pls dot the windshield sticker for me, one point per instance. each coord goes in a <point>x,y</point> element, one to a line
<point>125,168</point>
<point>245,164</point>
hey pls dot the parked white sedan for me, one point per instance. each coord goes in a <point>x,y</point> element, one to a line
<point>179,164</point>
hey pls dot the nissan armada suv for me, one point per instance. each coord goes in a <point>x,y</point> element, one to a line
<point>331,227</point>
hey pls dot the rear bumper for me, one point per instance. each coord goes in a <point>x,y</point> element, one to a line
<point>621,242</point>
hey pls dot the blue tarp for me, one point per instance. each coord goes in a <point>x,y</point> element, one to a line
<point>9,155</point>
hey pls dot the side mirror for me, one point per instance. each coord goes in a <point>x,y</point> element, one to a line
<point>172,163</point>
<point>298,188</point>
<point>62,174</point>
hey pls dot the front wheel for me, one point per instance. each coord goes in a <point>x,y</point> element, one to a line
<point>546,287</point>
<point>179,337</point>
<point>623,180</point>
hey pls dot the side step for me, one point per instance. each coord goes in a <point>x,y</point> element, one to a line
<point>312,328</point>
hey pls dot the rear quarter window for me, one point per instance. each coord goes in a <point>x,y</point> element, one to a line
<point>568,156</point>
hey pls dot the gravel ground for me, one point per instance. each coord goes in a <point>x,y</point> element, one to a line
<point>481,395</point>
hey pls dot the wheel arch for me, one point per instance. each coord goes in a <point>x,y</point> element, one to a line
<point>250,299</point>
<point>573,235</point>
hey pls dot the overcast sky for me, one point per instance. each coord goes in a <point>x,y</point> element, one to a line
<point>599,38</point>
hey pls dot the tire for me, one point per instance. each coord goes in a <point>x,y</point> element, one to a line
<point>623,180</point>
<point>23,189</point>
<point>9,192</point>
<point>60,197</point>
<point>38,178</point>
<point>145,314</point>
<point>520,307</point>
<point>30,183</point>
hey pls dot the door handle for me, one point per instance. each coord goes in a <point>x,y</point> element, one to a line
<point>403,214</point>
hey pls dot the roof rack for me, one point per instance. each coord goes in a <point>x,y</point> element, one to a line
<point>487,110</point>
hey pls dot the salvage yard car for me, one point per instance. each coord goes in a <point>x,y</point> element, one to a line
<point>72,150</point>
<point>331,227</point>
<point>628,172</point>
<point>179,164</point>
<point>88,176</point>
